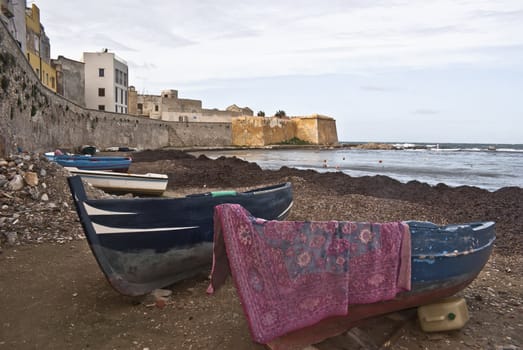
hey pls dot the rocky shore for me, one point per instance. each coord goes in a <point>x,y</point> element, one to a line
<point>43,253</point>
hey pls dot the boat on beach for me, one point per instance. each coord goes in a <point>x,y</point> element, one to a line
<point>121,183</point>
<point>87,162</point>
<point>142,244</point>
<point>443,261</point>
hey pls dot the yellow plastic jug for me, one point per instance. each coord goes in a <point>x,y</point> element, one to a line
<point>444,315</point>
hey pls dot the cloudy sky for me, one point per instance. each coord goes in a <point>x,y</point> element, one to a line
<point>391,70</point>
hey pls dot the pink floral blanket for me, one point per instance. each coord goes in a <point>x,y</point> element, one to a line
<point>291,275</point>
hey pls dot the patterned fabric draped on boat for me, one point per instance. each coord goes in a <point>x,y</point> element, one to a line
<point>291,274</point>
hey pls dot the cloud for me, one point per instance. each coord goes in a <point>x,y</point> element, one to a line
<point>377,88</point>
<point>142,66</point>
<point>104,41</point>
<point>426,111</point>
<point>224,39</point>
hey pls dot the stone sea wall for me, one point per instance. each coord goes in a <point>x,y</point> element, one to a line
<point>35,118</point>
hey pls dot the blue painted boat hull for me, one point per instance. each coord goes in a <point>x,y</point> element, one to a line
<point>445,260</point>
<point>444,253</point>
<point>146,243</point>
<point>85,162</point>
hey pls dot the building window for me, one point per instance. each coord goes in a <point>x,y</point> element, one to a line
<point>125,97</point>
<point>125,79</point>
<point>140,108</point>
<point>52,82</point>
<point>101,107</point>
<point>118,76</point>
<point>115,94</point>
<point>121,96</point>
<point>101,72</point>
<point>101,92</point>
<point>156,108</point>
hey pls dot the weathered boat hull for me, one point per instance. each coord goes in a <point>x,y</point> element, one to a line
<point>114,182</point>
<point>86,162</point>
<point>358,314</point>
<point>147,243</point>
<point>445,260</point>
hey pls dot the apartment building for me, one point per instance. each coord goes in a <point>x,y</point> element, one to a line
<point>106,81</point>
<point>38,48</point>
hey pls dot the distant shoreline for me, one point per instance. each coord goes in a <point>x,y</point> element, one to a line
<point>348,145</point>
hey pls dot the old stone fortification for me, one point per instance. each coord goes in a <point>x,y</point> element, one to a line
<point>34,118</point>
<point>169,107</point>
<point>261,131</point>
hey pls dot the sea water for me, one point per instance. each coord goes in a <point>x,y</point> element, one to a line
<point>489,167</point>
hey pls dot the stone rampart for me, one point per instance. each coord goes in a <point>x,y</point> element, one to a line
<point>263,131</point>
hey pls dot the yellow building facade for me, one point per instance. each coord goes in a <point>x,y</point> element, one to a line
<point>39,48</point>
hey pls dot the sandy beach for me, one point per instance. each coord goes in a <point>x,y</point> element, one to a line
<point>53,295</point>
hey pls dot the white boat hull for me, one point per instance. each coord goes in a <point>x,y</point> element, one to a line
<point>150,184</point>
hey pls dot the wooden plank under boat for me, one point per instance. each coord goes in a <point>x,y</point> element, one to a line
<point>146,243</point>
<point>116,182</point>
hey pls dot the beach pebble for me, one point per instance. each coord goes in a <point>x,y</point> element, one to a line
<point>17,183</point>
<point>31,178</point>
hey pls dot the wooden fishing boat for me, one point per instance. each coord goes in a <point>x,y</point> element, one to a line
<point>443,261</point>
<point>146,243</point>
<point>121,183</point>
<point>86,162</point>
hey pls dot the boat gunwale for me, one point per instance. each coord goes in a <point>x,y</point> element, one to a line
<point>456,253</point>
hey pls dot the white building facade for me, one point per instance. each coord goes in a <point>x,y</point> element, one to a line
<point>106,81</point>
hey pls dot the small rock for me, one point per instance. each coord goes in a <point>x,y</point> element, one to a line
<point>158,298</point>
<point>33,191</point>
<point>162,293</point>
<point>31,178</point>
<point>12,237</point>
<point>43,172</point>
<point>161,302</point>
<point>17,183</point>
<point>44,197</point>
